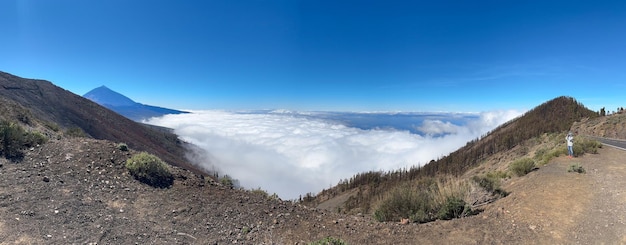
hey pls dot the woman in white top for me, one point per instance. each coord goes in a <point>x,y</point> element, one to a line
<point>570,144</point>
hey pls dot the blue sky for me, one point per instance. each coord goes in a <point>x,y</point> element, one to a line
<point>324,55</point>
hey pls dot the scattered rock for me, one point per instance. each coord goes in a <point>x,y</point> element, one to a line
<point>46,179</point>
<point>404,221</point>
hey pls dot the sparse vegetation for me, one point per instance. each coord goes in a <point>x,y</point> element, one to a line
<point>52,126</point>
<point>245,230</point>
<point>12,136</point>
<point>431,199</point>
<point>522,166</point>
<point>227,181</point>
<point>14,139</point>
<point>584,145</point>
<point>329,241</point>
<point>497,175</point>
<point>544,156</point>
<point>577,168</point>
<point>453,208</point>
<point>403,202</point>
<point>34,139</point>
<point>75,132</point>
<point>551,118</point>
<point>491,182</point>
<point>264,193</point>
<point>150,169</point>
<point>122,147</point>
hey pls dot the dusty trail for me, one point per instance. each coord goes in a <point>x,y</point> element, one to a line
<point>604,221</point>
<point>563,207</point>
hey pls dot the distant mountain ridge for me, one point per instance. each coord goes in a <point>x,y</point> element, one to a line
<point>35,101</point>
<point>125,106</point>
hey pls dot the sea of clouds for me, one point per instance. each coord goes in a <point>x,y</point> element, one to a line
<point>293,153</point>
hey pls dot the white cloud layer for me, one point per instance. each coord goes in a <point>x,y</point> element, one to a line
<point>291,155</point>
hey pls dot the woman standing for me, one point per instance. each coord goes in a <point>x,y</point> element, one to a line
<point>570,144</point>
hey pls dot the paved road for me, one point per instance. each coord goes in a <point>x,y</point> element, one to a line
<point>617,143</point>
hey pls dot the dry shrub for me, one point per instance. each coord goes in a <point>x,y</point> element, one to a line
<point>425,201</point>
<point>577,168</point>
<point>150,169</point>
<point>522,166</point>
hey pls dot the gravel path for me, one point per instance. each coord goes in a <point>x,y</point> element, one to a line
<point>604,221</point>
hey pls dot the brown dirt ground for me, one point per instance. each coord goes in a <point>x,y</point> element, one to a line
<point>563,207</point>
<point>90,198</point>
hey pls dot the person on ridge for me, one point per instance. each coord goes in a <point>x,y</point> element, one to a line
<point>570,144</point>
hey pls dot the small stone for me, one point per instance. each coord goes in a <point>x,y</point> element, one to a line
<point>46,179</point>
<point>532,227</point>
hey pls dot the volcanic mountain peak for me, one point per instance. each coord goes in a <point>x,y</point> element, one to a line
<point>126,106</point>
<point>105,96</point>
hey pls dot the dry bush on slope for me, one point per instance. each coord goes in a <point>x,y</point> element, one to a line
<point>425,201</point>
<point>150,169</point>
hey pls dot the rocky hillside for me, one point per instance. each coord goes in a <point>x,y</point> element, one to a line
<point>73,190</point>
<point>40,102</point>
<point>612,126</point>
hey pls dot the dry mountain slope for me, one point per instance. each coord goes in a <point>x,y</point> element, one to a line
<point>77,191</point>
<point>46,102</point>
<point>364,189</point>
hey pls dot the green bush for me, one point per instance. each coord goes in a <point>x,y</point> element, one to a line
<point>264,194</point>
<point>491,183</point>
<point>227,181</point>
<point>522,166</point>
<point>406,202</point>
<point>122,147</point>
<point>329,241</point>
<point>34,138</point>
<point>544,156</point>
<point>576,167</point>
<point>426,201</point>
<point>52,126</point>
<point>497,175</point>
<point>584,145</point>
<point>12,138</point>
<point>454,207</point>
<point>150,169</point>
